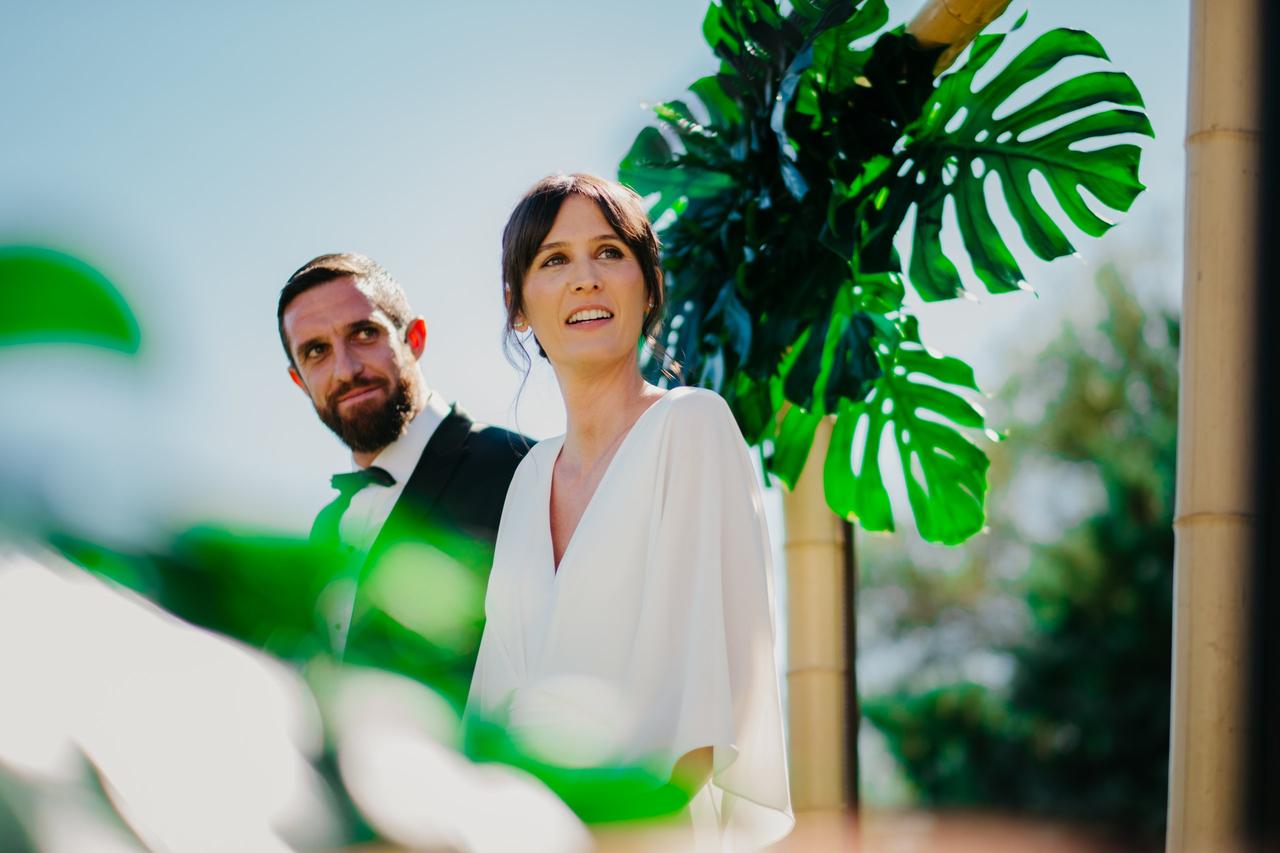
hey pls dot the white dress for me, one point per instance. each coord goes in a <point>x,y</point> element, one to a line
<point>655,637</point>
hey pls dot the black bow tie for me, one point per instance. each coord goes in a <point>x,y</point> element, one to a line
<point>349,484</point>
<point>325,530</point>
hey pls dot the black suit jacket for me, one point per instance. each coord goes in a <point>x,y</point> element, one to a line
<point>454,497</point>
<point>448,517</point>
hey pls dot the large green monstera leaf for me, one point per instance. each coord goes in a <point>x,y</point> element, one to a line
<point>958,143</point>
<point>781,185</point>
<point>944,470</point>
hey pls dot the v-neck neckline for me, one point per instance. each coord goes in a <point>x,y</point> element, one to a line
<point>604,478</point>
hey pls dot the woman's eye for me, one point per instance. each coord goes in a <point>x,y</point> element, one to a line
<point>611,252</point>
<point>554,261</point>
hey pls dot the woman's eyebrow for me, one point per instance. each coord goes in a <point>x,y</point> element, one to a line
<point>561,244</point>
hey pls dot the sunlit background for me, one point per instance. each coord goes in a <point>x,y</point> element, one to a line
<point>197,154</point>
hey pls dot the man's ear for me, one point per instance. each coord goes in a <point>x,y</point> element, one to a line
<point>416,336</point>
<point>297,378</point>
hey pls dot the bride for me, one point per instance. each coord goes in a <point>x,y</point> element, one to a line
<point>629,610</point>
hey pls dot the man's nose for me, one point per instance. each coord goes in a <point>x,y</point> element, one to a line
<point>346,366</point>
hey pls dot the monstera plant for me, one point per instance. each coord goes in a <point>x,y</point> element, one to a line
<point>782,187</point>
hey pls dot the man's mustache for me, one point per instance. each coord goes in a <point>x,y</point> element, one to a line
<point>347,387</point>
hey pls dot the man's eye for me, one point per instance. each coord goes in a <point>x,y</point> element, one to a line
<point>368,333</point>
<point>313,351</point>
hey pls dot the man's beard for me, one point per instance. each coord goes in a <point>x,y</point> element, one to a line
<point>368,430</point>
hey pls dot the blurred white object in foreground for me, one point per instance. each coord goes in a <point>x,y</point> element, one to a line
<point>200,742</point>
<point>393,735</point>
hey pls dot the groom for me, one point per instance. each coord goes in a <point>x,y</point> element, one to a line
<point>423,472</point>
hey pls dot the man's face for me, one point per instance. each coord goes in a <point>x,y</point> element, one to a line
<point>359,372</point>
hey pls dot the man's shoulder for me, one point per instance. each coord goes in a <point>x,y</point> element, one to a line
<point>487,438</point>
<point>463,474</point>
<point>486,443</point>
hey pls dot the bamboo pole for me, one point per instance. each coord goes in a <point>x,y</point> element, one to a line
<point>1214,517</point>
<point>817,660</point>
<point>953,24</point>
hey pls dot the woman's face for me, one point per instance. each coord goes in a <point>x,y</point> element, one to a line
<point>584,294</point>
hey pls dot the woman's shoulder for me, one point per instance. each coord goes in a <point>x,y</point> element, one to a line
<point>540,456</point>
<point>697,421</point>
<point>691,406</point>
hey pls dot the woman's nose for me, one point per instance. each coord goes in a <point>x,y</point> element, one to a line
<point>586,281</point>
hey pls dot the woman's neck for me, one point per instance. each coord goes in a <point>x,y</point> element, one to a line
<point>600,405</point>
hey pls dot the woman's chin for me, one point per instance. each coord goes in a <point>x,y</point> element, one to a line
<point>594,358</point>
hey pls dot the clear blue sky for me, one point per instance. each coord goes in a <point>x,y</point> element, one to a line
<point>198,153</point>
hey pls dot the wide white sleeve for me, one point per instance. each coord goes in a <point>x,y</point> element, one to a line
<point>704,651</point>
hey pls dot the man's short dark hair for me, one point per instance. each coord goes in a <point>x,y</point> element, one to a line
<point>383,290</point>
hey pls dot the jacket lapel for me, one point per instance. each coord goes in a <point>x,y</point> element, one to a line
<point>440,458</point>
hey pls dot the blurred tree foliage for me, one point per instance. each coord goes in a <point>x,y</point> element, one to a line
<point>1079,729</point>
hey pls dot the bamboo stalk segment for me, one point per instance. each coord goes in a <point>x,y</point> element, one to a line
<point>1215,515</point>
<point>1215,511</point>
<point>953,23</point>
<point>817,667</point>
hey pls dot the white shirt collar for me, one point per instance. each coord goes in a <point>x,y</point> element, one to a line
<point>400,457</point>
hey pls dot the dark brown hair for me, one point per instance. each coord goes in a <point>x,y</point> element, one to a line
<point>532,219</point>
<point>383,290</point>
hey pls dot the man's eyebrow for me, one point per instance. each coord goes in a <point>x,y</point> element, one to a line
<point>305,345</point>
<point>596,239</point>
<point>354,326</point>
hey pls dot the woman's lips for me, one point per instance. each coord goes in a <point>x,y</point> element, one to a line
<point>589,324</point>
